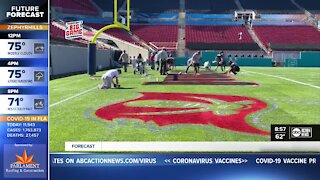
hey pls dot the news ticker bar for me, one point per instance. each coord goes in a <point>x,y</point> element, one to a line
<point>181,159</point>
<point>222,166</point>
<point>192,146</point>
<point>24,52</point>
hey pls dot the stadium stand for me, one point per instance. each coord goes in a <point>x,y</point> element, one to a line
<point>289,37</point>
<point>118,33</point>
<point>217,34</point>
<point>311,5</point>
<point>210,6</point>
<point>158,35</point>
<point>219,37</point>
<point>56,32</point>
<point>138,6</point>
<point>76,6</point>
<point>107,5</point>
<point>270,6</point>
<point>142,6</point>
<point>163,6</point>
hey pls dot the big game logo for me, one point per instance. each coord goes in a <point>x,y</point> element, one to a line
<point>227,112</point>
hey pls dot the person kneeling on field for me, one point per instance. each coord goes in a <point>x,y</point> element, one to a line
<point>234,68</point>
<point>108,79</point>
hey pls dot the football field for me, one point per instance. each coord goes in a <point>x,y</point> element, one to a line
<point>136,112</point>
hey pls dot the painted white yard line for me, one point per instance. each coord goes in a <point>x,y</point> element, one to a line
<point>72,97</point>
<point>287,79</point>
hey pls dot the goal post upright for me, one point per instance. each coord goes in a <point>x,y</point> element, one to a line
<point>91,68</point>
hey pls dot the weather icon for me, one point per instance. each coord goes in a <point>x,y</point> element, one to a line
<point>38,76</point>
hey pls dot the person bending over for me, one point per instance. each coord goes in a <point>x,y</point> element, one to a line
<point>220,62</point>
<point>207,66</point>
<point>196,61</point>
<point>189,64</point>
<point>234,68</point>
<point>110,78</point>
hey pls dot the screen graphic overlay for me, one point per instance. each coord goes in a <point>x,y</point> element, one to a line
<point>24,89</point>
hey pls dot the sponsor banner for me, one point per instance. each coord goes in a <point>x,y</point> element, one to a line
<point>25,161</point>
<point>184,166</point>
<point>74,30</point>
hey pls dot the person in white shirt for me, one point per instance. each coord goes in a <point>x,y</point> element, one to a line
<point>108,79</point>
<point>124,59</point>
<point>207,66</point>
<point>156,61</point>
<point>240,35</point>
<point>189,64</point>
<point>196,62</point>
<point>162,58</point>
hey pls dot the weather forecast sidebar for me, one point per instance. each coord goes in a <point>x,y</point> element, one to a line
<point>24,89</point>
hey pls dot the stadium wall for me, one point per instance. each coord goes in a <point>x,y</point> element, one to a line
<point>307,59</point>
<point>210,56</point>
<point>260,62</point>
<point>132,50</point>
<point>67,60</point>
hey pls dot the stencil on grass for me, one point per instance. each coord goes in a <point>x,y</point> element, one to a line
<point>227,112</point>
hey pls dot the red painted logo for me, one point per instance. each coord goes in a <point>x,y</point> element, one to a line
<point>227,112</point>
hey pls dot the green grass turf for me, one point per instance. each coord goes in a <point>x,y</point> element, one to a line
<point>74,120</point>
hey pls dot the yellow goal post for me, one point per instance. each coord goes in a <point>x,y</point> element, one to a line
<point>116,23</point>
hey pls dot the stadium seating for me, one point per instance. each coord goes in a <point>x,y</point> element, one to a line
<point>288,34</point>
<point>210,6</point>
<point>312,5</point>
<point>56,32</point>
<point>118,33</point>
<point>219,37</point>
<point>160,6</point>
<point>159,33</point>
<point>79,5</point>
<point>217,34</point>
<point>107,5</point>
<point>269,5</point>
<point>148,33</point>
